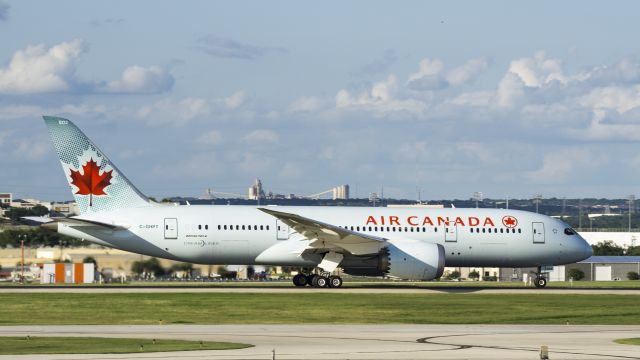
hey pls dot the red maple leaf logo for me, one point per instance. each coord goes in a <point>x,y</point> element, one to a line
<point>509,221</point>
<point>91,182</point>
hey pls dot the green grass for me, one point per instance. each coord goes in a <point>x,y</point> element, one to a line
<point>95,345</point>
<point>630,341</point>
<point>334,308</point>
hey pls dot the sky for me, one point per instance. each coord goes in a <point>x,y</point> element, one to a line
<point>438,99</point>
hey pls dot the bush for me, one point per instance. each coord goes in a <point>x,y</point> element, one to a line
<point>576,274</point>
<point>632,275</point>
<point>455,274</point>
<point>490,278</point>
<point>474,275</point>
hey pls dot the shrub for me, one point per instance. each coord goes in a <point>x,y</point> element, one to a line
<point>490,278</point>
<point>453,275</point>
<point>576,274</point>
<point>474,275</point>
<point>632,275</point>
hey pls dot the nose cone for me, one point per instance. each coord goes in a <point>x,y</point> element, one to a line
<point>582,248</point>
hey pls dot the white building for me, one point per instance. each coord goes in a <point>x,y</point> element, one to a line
<point>255,191</point>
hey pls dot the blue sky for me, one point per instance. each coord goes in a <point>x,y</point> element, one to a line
<point>450,98</point>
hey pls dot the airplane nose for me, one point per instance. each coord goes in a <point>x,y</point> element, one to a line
<point>584,248</point>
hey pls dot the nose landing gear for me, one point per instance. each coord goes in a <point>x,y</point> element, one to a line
<point>540,280</point>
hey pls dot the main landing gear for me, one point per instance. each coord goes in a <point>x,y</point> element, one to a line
<point>540,281</point>
<point>318,281</point>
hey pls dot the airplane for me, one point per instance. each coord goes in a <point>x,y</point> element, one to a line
<point>400,243</point>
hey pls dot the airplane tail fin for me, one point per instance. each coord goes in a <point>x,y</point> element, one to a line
<point>96,183</point>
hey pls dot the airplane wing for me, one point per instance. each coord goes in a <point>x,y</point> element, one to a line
<point>329,237</point>
<point>72,221</point>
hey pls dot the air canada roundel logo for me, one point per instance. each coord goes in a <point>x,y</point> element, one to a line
<point>91,182</point>
<point>509,221</point>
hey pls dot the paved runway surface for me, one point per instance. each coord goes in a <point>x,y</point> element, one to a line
<point>363,341</point>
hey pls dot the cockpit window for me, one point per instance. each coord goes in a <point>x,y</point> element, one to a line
<point>569,231</point>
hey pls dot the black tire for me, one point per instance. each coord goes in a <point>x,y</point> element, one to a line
<point>540,282</point>
<point>321,282</point>
<point>335,282</point>
<point>300,280</point>
<point>311,280</point>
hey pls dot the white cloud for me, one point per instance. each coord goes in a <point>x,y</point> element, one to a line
<point>38,69</point>
<point>380,100</point>
<point>213,137</point>
<point>467,72</point>
<point>427,67</point>
<point>538,70</point>
<point>176,112</point>
<point>235,100</point>
<point>305,104</point>
<point>561,166</point>
<point>140,80</point>
<point>262,136</point>
<point>41,69</point>
<point>10,112</point>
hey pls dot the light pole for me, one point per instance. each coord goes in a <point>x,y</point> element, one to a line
<point>477,196</point>
<point>632,199</point>
<point>22,238</point>
<point>537,199</point>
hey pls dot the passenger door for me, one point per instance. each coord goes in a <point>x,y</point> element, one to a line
<point>282,230</point>
<point>538,232</point>
<point>451,232</point>
<point>170,228</point>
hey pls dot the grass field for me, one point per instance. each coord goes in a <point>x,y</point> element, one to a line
<point>630,341</point>
<point>95,345</point>
<point>337,308</point>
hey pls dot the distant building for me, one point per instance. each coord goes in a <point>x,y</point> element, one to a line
<point>255,191</point>
<point>5,199</point>
<point>341,192</point>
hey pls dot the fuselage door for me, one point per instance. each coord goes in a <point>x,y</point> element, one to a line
<point>538,232</point>
<point>282,230</point>
<point>170,228</point>
<point>451,232</point>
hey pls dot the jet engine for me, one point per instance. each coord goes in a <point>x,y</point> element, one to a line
<point>403,259</point>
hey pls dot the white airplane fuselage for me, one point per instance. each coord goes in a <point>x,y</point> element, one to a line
<point>212,234</point>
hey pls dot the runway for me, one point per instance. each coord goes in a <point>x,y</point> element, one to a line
<point>362,341</point>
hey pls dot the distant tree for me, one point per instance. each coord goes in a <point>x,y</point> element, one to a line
<point>251,271</point>
<point>632,275</point>
<point>152,199</point>
<point>137,267</point>
<point>153,266</point>
<point>92,260</point>
<point>16,213</point>
<point>607,248</point>
<point>474,275</point>
<point>455,274</point>
<point>633,251</point>
<point>576,274</point>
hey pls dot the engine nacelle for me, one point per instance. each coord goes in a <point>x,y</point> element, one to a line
<point>403,259</point>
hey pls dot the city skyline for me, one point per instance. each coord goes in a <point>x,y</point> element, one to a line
<point>420,99</point>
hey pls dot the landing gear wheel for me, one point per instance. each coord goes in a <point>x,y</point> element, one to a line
<point>321,281</point>
<point>311,279</point>
<point>300,280</point>
<point>540,281</point>
<point>335,282</point>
